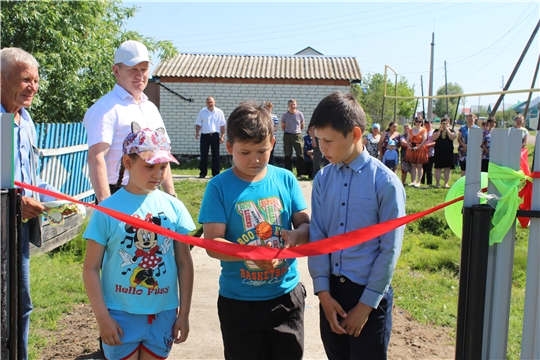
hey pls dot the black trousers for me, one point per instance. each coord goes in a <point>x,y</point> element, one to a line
<point>296,142</point>
<point>375,336</point>
<point>263,330</point>
<point>272,159</point>
<point>209,142</point>
<point>427,176</point>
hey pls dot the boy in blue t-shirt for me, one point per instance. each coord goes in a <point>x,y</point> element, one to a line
<point>261,303</point>
<point>391,158</point>
<point>355,191</point>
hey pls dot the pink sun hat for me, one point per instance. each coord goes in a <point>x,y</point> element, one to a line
<point>151,145</point>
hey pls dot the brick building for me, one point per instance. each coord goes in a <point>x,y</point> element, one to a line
<point>231,79</point>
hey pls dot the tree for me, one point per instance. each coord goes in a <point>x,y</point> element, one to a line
<point>439,105</point>
<point>74,43</point>
<point>370,96</point>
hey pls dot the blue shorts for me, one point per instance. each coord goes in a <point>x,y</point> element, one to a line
<point>152,333</point>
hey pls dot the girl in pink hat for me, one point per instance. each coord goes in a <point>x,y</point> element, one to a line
<point>132,275</point>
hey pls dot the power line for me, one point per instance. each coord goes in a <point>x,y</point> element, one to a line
<point>256,31</point>
<point>273,37</point>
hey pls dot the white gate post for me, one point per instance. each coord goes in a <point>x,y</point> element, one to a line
<point>6,151</point>
<point>6,182</point>
<point>530,342</point>
<point>505,151</point>
<point>474,164</point>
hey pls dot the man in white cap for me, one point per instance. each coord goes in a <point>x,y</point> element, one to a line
<point>108,121</point>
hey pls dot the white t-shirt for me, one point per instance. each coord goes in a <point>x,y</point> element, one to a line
<point>109,121</point>
<point>210,121</point>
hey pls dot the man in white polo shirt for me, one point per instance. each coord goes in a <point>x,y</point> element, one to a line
<point>292,124</point>
<point>108,121</point>
<point>210,128</point>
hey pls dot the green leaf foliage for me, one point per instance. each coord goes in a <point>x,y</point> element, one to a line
<point>74,43</point>
<point>439,105</point>
<point>371,93</point>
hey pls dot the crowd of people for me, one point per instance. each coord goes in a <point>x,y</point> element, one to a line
<point>423,148</point>
<point>140,283</point>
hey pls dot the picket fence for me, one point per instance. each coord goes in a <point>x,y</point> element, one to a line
<point>64,159</point>
<point>64,164</point>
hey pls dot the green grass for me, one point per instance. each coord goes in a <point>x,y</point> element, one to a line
<point>191,192</point>
<point>56,286</point>
<point>425,281</point>
<point>191,166</point>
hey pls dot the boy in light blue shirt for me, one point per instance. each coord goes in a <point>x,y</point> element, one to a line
<point>391,158</point>
<point>355,191</point>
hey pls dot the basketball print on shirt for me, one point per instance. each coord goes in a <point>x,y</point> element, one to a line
<point>262,224</point>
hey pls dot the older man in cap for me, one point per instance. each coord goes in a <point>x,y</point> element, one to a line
<point>108,121</point>
<point>20,80</point>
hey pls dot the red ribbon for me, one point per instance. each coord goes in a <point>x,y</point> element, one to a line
<point>526,192</point>
<point>326,246</point>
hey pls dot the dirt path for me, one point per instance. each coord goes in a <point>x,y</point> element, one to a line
<point>77,335</point>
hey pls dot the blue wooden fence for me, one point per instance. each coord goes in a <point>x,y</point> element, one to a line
<point>64,159</point>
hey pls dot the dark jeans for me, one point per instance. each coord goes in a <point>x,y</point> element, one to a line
<point>209,142</point>
<point>317,159</point>
<point>272,159</point>
<point>295,141</point>
<point>485,165</point>
<point>308,168</point>
<point>375,336</point>
<point>265,329</point>
<point>427,176</point>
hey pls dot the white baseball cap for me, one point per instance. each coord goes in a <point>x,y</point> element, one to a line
<point>131,53</point>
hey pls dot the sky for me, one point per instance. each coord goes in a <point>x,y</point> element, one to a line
<point>480,42</point>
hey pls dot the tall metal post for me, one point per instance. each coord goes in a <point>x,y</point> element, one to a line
<point>6,151</point>
<point>395,100</point>
<point>503,120</point>
<point>530,346</point>
<point>423,105</point>
<point>384,95</point>
<point>501,256</point>
<point>472,281</point>
<point>446,89</point>
<point>11,340</point>
<point>474,258</point>
<point>430,91</point>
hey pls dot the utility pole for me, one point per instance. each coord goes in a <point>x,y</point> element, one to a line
<point>503,101</point>
<point>445,89</point>
<point>423,104</point>
<point>395,100</point>
<point>430,91</point>
<point>478,110</point>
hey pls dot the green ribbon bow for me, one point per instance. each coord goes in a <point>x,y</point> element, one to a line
<point>507,182</point>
